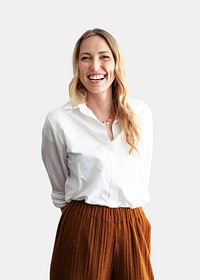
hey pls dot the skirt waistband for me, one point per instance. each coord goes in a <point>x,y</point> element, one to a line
<point>104,213</point>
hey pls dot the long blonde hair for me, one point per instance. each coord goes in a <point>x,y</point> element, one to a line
<point>122,109</point>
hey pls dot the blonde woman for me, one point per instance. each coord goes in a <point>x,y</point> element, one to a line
<point>97,150</point>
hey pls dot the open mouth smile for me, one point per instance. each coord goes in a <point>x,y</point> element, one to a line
<point>97,78</point>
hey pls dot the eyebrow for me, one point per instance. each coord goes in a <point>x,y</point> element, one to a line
<point>86,53</point>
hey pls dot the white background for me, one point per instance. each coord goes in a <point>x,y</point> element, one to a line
<point>160,43</point>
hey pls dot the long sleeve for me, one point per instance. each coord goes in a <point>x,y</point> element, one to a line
<point>148,144</point>
<point>54,156</point>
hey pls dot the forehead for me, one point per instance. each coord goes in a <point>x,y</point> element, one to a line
<point>94,44</point>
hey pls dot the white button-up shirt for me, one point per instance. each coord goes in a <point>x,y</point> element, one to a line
<point>84,164</point>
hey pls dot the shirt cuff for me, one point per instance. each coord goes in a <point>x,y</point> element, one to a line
<point>58,199</point>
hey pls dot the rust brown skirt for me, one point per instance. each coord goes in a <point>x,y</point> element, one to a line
<point>100,243</point>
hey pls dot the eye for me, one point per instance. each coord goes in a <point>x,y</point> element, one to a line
<point>85,58</point>
<point>105,57</point>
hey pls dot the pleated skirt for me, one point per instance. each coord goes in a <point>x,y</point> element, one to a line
<point>100,243</point>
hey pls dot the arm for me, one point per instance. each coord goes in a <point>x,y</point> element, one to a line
<point>148,144</point>
<point>54,156</point>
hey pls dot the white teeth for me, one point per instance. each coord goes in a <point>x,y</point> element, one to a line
<point>96,77</point>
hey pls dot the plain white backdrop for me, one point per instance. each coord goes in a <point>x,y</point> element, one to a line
<point>160,43</point>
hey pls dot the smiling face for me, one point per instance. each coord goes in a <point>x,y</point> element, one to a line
<point>96,65</point>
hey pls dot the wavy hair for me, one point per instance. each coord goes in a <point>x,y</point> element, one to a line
<point>121,108</point>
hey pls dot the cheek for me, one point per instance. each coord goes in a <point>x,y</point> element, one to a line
<point>82,68</point>
<point>111,67</point>
<point>81,72</point>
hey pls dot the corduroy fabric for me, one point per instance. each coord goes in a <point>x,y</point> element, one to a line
<point>100,243</point>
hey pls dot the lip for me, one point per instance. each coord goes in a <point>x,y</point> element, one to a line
<point>95,78</point>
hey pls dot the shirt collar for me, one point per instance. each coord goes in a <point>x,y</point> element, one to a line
<point>83,109</point>
<point>68,106</point>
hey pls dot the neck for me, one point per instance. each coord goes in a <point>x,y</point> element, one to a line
<point>100,102</point>
<point>101,106</point>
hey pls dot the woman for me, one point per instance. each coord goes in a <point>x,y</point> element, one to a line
<point>97,150</point>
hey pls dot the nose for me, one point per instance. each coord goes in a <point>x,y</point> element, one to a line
<point>95,64</point>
